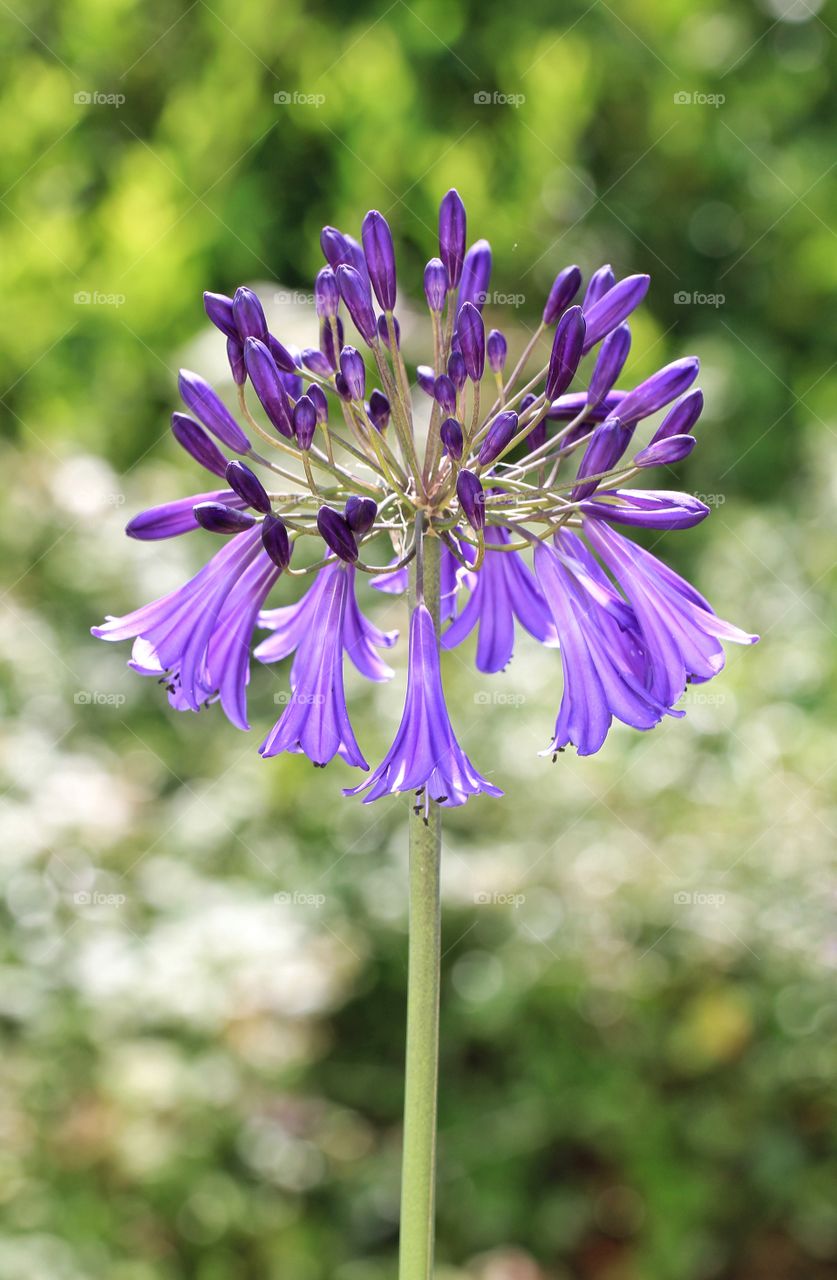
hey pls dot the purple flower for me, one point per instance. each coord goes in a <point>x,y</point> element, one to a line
<point>609,364</point>
<point>336,533</point>
<point>360,514</point>
<point>469,491</point>
<point>452,232</point>
<point>249,315</point>
<point>661,388</point>
<point>564,288</point>
<point>665,452</point>
<point>219,308</point>
<point>326,294</point>
<point>248,486</point>
<point>457,372</point>
<point>305,421</point>
<point>198,637</point>
<point>192,437</point>
<point>600,282</point>
<point>435,284</point>
<point>504,589</point>
<point>567,347</point>
<point>613,307</point>
<point>269,386</point>
<point>497,349</point>
<point>681,417</point>
<point>607,444</point>
<point>647,508</point>
<point>476,274</point>
<point>292,626</point>
<point>470,332</point>
<point>499,436</point>
<point>208,406</point>
<point>378,410</point>
<point>425,755</point>
<point>452,439</point>
<point>380,257</point>
<point>315,722</point>
<point>217,517</point>
<point>354,291</point>
<point>171,519</point>
<point>354,371</point>
<point>444,393</point>
<point>679,629</point>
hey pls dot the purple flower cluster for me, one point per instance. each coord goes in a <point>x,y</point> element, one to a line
<point>511,492</point>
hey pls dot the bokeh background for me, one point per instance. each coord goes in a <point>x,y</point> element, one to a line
<point>203,956</point>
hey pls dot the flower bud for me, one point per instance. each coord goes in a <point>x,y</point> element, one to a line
<point>470,332</point>
<point>329,348</point>
<point>335,247</point>
<point>598,285</point>
<point>662,387</point>
<point>564,288</point>
<point>452,230</point>
<point>452,438</point>
<point>192,437</point>
<point>681,417</point>
<point>435,284</point>
<point>276,542</point>
<point>353,369</point>
<point>609,364</point>
<point>383,331</point>
<point>647,508</point>
<point>497,349</point>
<point>613,307</point>
<point>219,308</point>
<point>665,451</point>
<point>218,518</point>
<point>319,400</point>
<point>378,409</point>
<point>326,294</point>
<point>500,433</point>
<point>284,358</point>
<point>566,352</point>
<point>444,393</point>
<point>360,514</point>
<point>235,356</point>
<point>248,486</point>
<point>426,378</point>
<point>456,370</point>
<point>305,421</point>
<point>249,315</point>
<point>268,385</point>
<point>314,360</point>
<point>604,449</point>
<point>380,257</point>
<point>208,406</point>
<point>336,534</point>
<point>476,274</point>
<point>471,497</point>
<point>355,293</point>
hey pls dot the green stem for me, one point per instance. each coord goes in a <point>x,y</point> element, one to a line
<point>418,1181</point>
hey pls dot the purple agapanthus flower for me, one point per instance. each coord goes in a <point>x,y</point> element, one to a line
<point>425,756</point>
<point>508,517</point>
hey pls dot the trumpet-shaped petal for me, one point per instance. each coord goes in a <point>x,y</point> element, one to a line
<point>425,753</point>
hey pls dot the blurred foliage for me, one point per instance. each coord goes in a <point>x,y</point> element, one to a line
<point>203,1079</point>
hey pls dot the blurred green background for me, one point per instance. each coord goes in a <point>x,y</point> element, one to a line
<point>203,960</point>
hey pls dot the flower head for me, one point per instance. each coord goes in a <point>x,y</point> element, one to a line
<point>516,501</point>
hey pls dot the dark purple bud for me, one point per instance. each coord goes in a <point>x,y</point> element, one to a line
<point>235,356</point>
<point>285,359</point>
<point>305,421</point>
<point>609,364</point>
<point>500,433</point>
<point>497,349</point>
<point>605,447</point>
<point>564,288</point>
<point>613,307</point>
<point>268,385</point>
<point>476,275</point>
<point>452,230</point>
<point>353,369</point>
<point>383,331</point>
<point>570,406</point>
<point>378,410</point>
<point>659,389</point>
<point>357,259</point>
<point>326,294</point>
<point>527,402</point>
<point>598,285</point>
<point>207,405</point>
<point>248,486</point>
<point>452,438</point>
<point>172,519</point>
<point>360,514</point>
<point>219,308</point>
<point>330,350</point>
<point>292,382</point>
<point>218,518</point>
<point>342,387</point>
<point>435,284</point>
<point>470,332</point>
<point>536,437</point>
<point>276,542</point>
<point>469,491</point>
<point>444,393</point>
<point>335,247</point>
<point>319,400</point>
<point>426,378</point>
<point>380,257</point>
<point>249,315</point>
<point>665,452</point>
<point>314,360</point>
<point>681,417</point>
<point>647,508</point>
<point>355,293</point>
<point>192,437</point>
<point>567,347</point>
<point>336,534</point>
<point>456,370</point>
